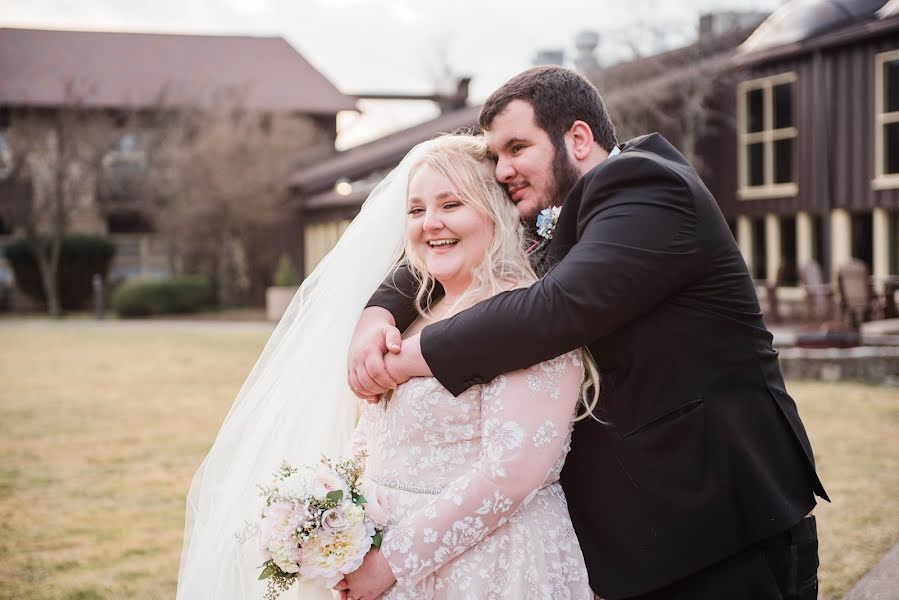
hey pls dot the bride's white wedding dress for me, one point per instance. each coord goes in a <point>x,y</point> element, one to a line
<point>498,526</point>
<point>469,486</point>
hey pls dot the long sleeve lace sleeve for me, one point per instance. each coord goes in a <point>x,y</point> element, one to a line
<point>359,439</point>
<point>525,425</point>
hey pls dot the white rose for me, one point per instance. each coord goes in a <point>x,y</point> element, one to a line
<point>295,486</point>
<point>324,481</point>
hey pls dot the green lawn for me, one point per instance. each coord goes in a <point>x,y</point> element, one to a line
<point>102,428</point>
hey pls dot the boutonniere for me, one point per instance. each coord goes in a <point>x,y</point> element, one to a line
<point>546,226</point>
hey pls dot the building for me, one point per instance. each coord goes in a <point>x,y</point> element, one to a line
<point>817,140</point>
<point>102,77</point>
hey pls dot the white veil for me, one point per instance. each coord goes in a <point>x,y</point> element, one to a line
<point>295,404</point>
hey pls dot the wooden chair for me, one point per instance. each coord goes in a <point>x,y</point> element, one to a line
<point>819,305</point>
<point>858,303</point>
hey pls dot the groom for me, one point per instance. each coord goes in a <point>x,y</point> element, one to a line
<point>699,481</point>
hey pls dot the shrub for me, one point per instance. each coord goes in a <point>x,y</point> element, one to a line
<point>80,257</point>
<point>285,275</point>
<point>141,298</point>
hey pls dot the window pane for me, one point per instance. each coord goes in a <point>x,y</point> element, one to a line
<point>755,165</point>
<point>891,148</point>
<point>754,111</point>
<point>891,85</point>
<point>783,105</point>
<point>783,161</point>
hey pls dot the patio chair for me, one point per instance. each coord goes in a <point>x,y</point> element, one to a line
<point>858,303</point>
<point>819,305</point>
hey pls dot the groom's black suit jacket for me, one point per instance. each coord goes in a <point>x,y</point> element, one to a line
<point>703,452</point>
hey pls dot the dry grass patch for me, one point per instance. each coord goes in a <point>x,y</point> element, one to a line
<point>103,427</point>
<point>855,433</point>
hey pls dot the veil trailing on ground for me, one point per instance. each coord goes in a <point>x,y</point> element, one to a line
<point>295,404</point>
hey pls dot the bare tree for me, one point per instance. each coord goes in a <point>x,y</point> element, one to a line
<point>677,93</point>
<point>56,155</point>
<point>216,180</point>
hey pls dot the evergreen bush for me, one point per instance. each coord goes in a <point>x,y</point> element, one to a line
<point>285,275</point>
<point>142,298</point>
<point>80,257</point>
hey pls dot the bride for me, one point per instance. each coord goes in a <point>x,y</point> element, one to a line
<point>468,485</point>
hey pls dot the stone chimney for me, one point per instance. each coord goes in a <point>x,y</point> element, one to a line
<point>586,61</point>
<point>549,57</point>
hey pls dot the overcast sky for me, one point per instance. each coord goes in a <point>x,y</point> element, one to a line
<point>397,45</point>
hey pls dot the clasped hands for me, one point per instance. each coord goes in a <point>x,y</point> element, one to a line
<point>379,359</point>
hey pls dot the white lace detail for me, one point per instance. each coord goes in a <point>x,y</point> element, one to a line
<point>498,526</point>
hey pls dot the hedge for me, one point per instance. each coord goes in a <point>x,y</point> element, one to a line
<point>141,298</point>
<point>80,257</point>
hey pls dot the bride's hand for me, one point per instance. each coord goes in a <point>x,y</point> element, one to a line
<point>374,336</point>
<point>408,362</point>
<point>341,590</point>
<point>371,579</point>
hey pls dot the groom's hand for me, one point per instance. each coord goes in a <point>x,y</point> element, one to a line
<point>374,336</point>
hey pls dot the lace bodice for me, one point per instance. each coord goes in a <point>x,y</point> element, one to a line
<point>478,458</point>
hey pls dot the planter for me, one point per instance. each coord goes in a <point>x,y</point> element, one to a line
<point>277,299</point>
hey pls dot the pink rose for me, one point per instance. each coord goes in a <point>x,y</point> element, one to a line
<point>375,507</point>
<point>334,520</point>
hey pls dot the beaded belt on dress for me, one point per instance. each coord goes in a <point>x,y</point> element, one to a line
<point>407,487</point>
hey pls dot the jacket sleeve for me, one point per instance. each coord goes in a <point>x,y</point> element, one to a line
<point>397,295</point>
<point>637,245</point>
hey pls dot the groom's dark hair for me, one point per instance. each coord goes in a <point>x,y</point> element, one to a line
<point>559,97</point>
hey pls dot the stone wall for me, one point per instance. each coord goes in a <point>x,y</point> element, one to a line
<point>877,365</point>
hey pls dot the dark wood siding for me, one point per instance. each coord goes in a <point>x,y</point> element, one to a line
<point>834,106</point>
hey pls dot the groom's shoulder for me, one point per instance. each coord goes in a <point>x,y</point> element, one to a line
<point>643,162</point>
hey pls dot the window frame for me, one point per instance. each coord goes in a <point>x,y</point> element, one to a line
<point>882,180</point>
<point>767,136</point>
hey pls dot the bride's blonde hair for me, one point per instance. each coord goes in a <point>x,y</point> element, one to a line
<point>463,161</point>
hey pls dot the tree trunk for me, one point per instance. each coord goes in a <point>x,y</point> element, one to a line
<point>48,266</point>
<point>225,272</point>
<point>51,267</point>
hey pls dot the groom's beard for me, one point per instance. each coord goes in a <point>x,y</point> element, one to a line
<point>563,176</point>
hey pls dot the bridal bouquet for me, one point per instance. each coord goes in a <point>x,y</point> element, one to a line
<point>315,524</point>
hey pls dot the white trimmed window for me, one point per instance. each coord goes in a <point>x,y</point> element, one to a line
<point>767,137</point>
<point>886,115</point>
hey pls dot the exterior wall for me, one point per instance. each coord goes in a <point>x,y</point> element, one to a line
<point>139,255</point>
<point>83,216</point>
<point>319,239</point>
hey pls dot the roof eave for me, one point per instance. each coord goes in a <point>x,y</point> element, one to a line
<point>840,37</point>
